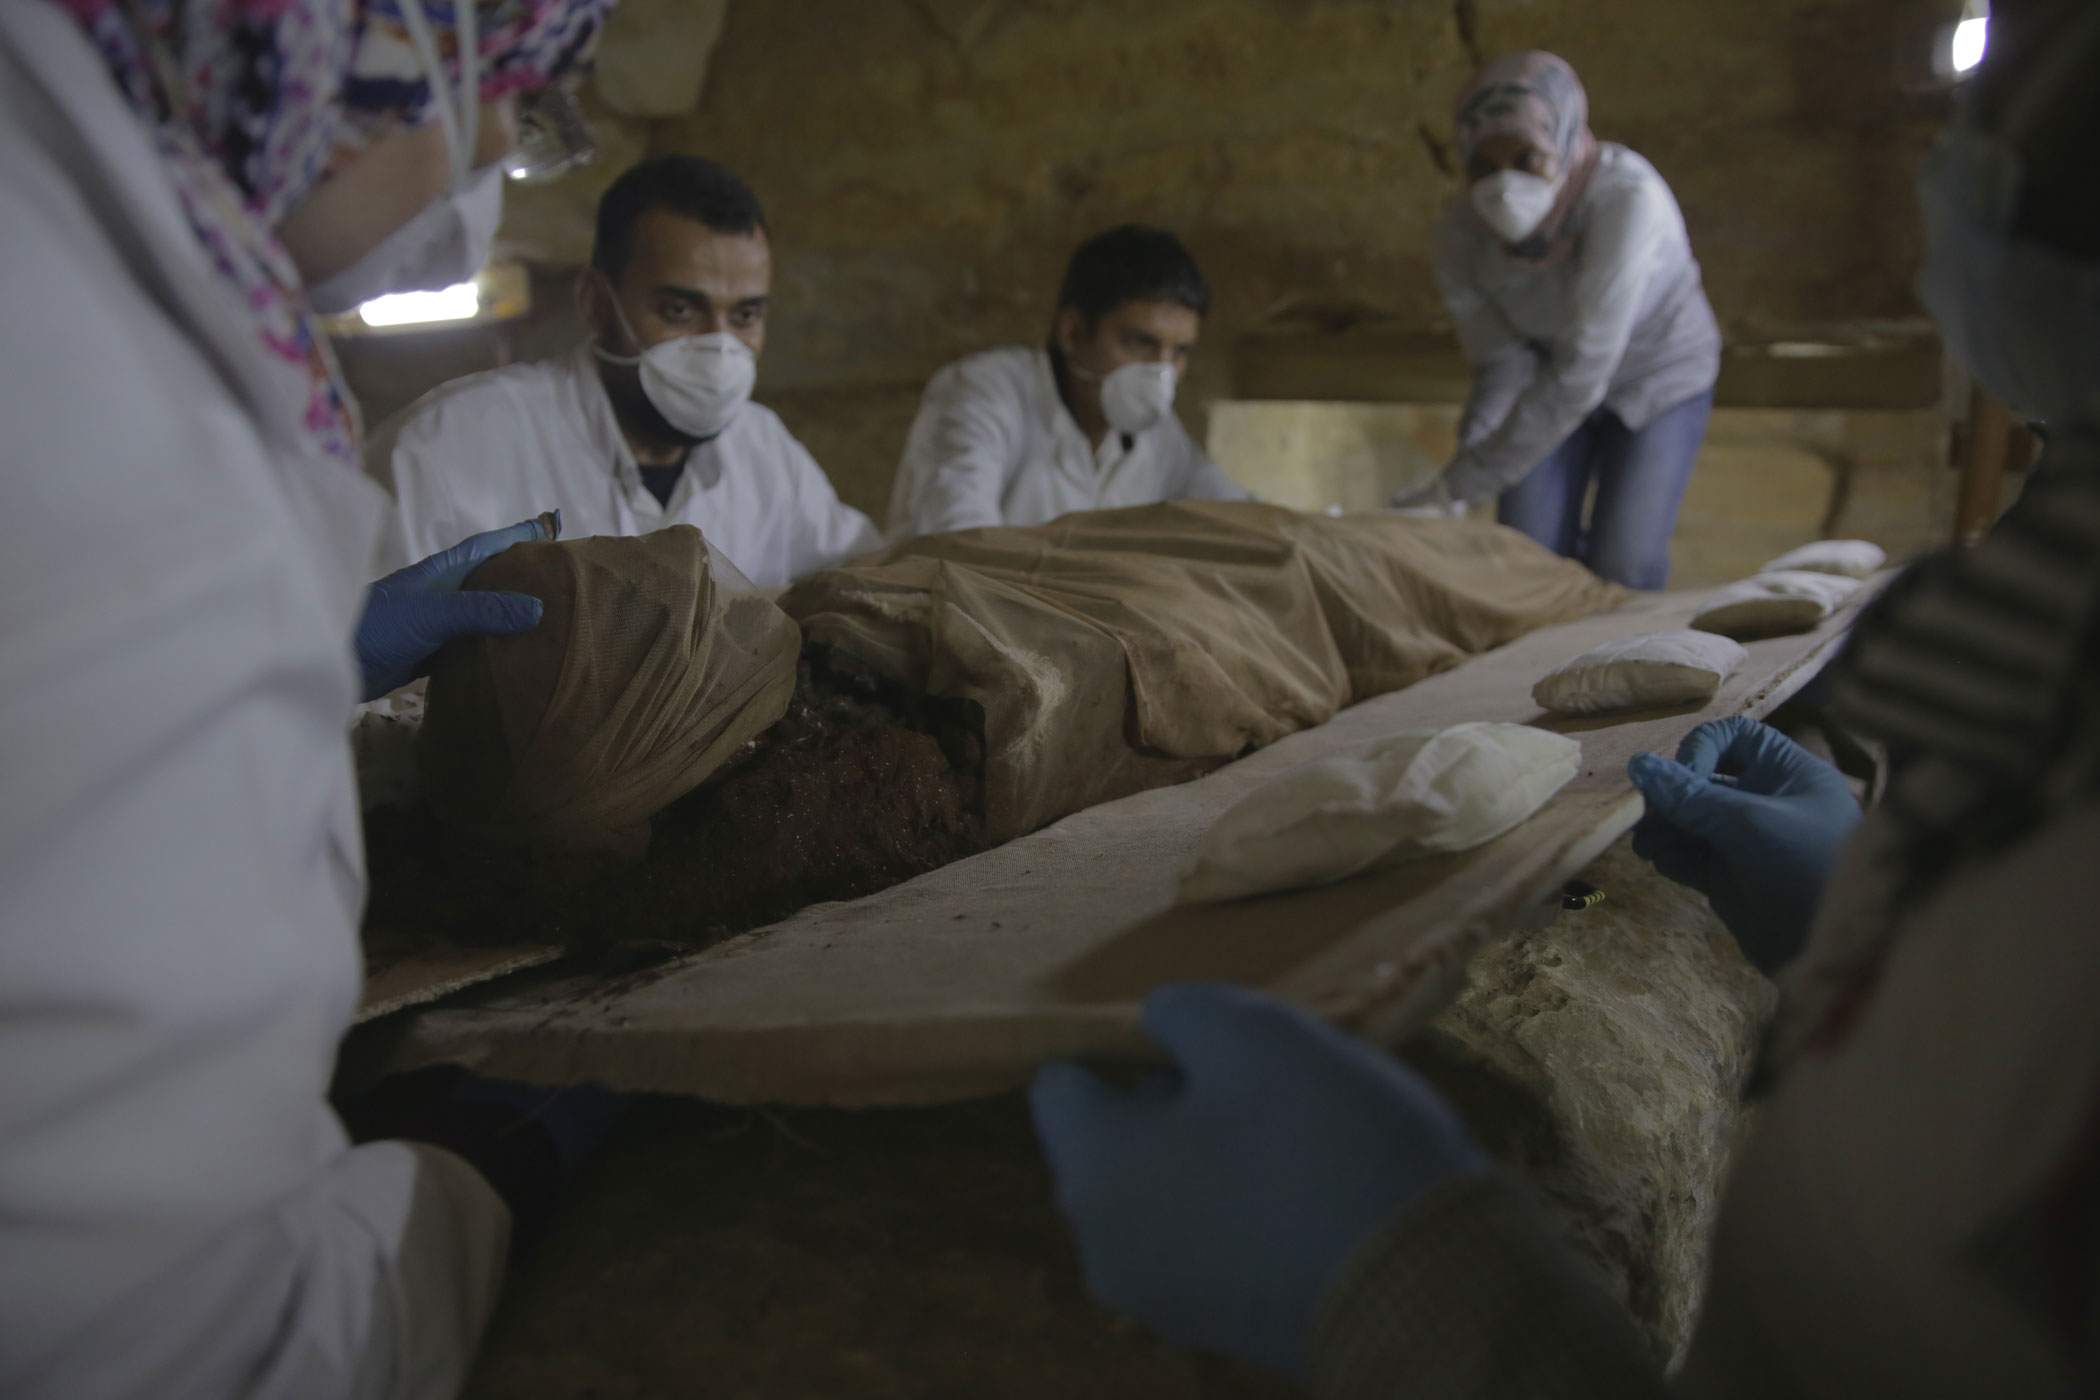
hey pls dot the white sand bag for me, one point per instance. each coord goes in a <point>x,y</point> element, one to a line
<point>1849,558</point>
<point>1774,604</point>
<point>1637,673</point>
<point>1393,799</point>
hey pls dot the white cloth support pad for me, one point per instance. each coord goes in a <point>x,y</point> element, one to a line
<point>1644,672</point>
<point>1396,798</point>
<point>1850,558</point>
<point>1774,604</point>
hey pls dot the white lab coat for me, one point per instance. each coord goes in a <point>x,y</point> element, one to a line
<point>495,448</point>
<point>994,444</point>
<point>1623,322</point>
<point>180,872</point>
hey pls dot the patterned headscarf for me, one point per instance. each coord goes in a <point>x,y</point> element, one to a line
<point>251,103</point>
<point>1534,95</point>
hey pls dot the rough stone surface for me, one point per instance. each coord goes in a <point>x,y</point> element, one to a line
<point>1601,1058</point>
<point>929,164</point>
<point>1316,456</point>
<point>1771,479</point>
<point>652,58</point>
<point>1767,480</point>
<point>917,1253</point>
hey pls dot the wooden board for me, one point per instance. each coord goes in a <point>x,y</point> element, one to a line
<point>959,982</point>
<point>417,979</point>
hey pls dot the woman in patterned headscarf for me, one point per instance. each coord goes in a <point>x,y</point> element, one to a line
<point>183,541</point>
<point>1578,301</point>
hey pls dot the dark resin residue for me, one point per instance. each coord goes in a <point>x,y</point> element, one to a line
<point>857,788</point>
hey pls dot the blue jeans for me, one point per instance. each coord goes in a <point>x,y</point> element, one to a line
<point>1640,485</point>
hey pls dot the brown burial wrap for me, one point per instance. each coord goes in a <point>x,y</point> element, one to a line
<point>652,663</point>
<point>1115,651</point>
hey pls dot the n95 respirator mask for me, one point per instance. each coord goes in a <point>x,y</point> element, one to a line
<point>1133,396</point>
<point>1514,204</point>
<point>697,382</point>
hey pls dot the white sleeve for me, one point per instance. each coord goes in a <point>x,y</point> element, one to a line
<point>1204,480</point>
<point>1504,364</point>
<point>961,452</point>
<point>828,532</point>
<point>422,455</point>
<point>1613,264</point>
<point>372,1282</point>
<point>180,882</point>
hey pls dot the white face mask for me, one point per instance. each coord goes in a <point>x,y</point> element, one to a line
<point>444,244</point>
<point>2022,318</point>
<point>449,239</point>
<point>697,382</point>
<point>1514,204</point>
<point>1133,396</point>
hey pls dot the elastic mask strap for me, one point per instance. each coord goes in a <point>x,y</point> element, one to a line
<point>458,108</point>
<point>632,339</point>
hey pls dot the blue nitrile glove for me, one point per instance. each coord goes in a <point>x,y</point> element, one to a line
<point>1751,820</point>
<point>526,1140</point>
<point>412,612</point>
<point>575,1118</point>
<point>1218,1204</point>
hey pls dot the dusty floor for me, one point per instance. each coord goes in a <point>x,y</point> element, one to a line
<point>721,1253</point>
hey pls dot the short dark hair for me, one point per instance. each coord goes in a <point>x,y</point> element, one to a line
<point>1132,263</point>
<point>688,186</point>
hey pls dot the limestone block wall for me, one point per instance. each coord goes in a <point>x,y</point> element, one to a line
<point>928,164</point>
<point>1767,480</point>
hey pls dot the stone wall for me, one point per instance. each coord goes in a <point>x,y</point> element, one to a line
<point>1601,1059</point>
<point>928,164</point>
<point>1767,480</point>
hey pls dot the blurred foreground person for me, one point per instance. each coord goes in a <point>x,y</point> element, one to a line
<point>185,540</point>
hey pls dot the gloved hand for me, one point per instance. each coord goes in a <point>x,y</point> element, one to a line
<point>575,1119</point>
<point>527,1141</point>
<point>1758,844</point>
<point>1218,1204</point>
<point>1431,502</point>
<point>412,612</point>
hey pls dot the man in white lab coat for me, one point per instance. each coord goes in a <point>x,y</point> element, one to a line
<point>1022,435</point>
<point>646,424</point>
